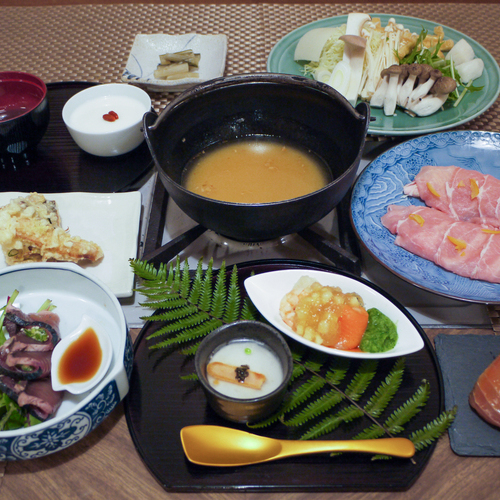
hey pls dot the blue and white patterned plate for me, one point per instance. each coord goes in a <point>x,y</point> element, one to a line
<point>381,184</point>
<point>74,292</point>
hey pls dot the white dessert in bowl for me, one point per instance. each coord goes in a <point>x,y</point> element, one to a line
<point>106,120</point>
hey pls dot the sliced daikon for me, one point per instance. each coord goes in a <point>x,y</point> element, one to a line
<point>461,52</point>
<point>470,70</point>
<point>311,44</point>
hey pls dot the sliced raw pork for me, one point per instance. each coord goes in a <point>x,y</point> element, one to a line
<point>463,248</point>
<point>465,195</point>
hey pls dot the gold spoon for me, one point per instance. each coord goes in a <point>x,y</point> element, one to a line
<point>225,447</point>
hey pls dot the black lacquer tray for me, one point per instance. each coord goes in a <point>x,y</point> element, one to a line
<point>58,165</point>
<point>159,404</point>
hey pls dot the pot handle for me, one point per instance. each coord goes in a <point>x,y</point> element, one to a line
<point>149,119</point>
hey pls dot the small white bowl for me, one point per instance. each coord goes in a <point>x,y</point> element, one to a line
<point>83,116</point>
<point>66,342</point>
<point>267,289</point>
<point>145,56</point>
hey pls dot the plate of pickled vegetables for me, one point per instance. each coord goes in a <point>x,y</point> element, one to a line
<point>378,44</point>
<point>334,313</point>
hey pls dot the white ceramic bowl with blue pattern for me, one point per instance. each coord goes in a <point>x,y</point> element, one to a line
<point>74,292</point>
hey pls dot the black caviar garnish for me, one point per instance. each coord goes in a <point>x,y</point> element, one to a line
<point>241,373</point>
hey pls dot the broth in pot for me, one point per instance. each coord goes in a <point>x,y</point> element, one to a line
<point>255,170</point>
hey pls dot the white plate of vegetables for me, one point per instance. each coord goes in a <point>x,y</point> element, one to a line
<point>267,290</point>
<point>486,88</point>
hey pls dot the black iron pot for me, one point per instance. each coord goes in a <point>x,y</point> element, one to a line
<point>300,111</point>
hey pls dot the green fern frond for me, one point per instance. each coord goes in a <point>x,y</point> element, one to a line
<point>330,423</point>
<point>183,310</point>
<point>316,360</point>
<point>409,409</point>
<point>195,291</point>
<point>188,335</point>
<point>356,388</point>
<point>232,307</point>
<point>248,311</point>
<point>395,422</point>
<point>206,290</point>
<point>190,306</point>
<point>184,285</point>
<point>146,271</point>
<point>303,392</point>
<point>426,436</point>
<point>184,323</point>
<point>275,417</point>
<point>313,410</point>
<point>191,350</point>
<point>386,390</point>
<point>192,377</point>
<point>219,294</point>
<point>362,379</point>
<point>338,371</point>
<point>298,371</point>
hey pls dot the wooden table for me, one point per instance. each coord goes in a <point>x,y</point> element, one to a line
<point>105,465</point>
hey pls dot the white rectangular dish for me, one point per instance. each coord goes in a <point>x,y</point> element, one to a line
<point>110,220</point>
<point>144,57</point>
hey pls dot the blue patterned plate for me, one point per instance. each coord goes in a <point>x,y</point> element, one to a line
<point>75,293</point>
<point>381,184</point>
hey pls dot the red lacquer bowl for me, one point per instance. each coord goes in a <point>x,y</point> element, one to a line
<point>24,111</point>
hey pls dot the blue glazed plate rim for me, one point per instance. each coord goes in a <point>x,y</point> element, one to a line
<point>381,184</point>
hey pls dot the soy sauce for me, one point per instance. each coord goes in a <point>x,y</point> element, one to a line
<point>82,359</point>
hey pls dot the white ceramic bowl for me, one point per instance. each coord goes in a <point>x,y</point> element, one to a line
<point>267,289</point>
<point>83,116</point>
<point>75,293</point>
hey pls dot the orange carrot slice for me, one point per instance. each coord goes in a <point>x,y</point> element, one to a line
<point>474,189</point>
<point>460,245</point>
<point>417,218</point>
<point>430,187</point>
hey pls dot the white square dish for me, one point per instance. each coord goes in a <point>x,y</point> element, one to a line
<point>145,56</point>
<point>110,220</point>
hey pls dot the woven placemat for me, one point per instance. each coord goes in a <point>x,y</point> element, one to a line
<point>92,42</point>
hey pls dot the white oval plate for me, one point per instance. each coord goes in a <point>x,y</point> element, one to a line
<point>267,289</point>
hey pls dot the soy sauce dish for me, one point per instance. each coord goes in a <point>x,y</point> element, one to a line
<point>81,359</point>
<point>244,368</point>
